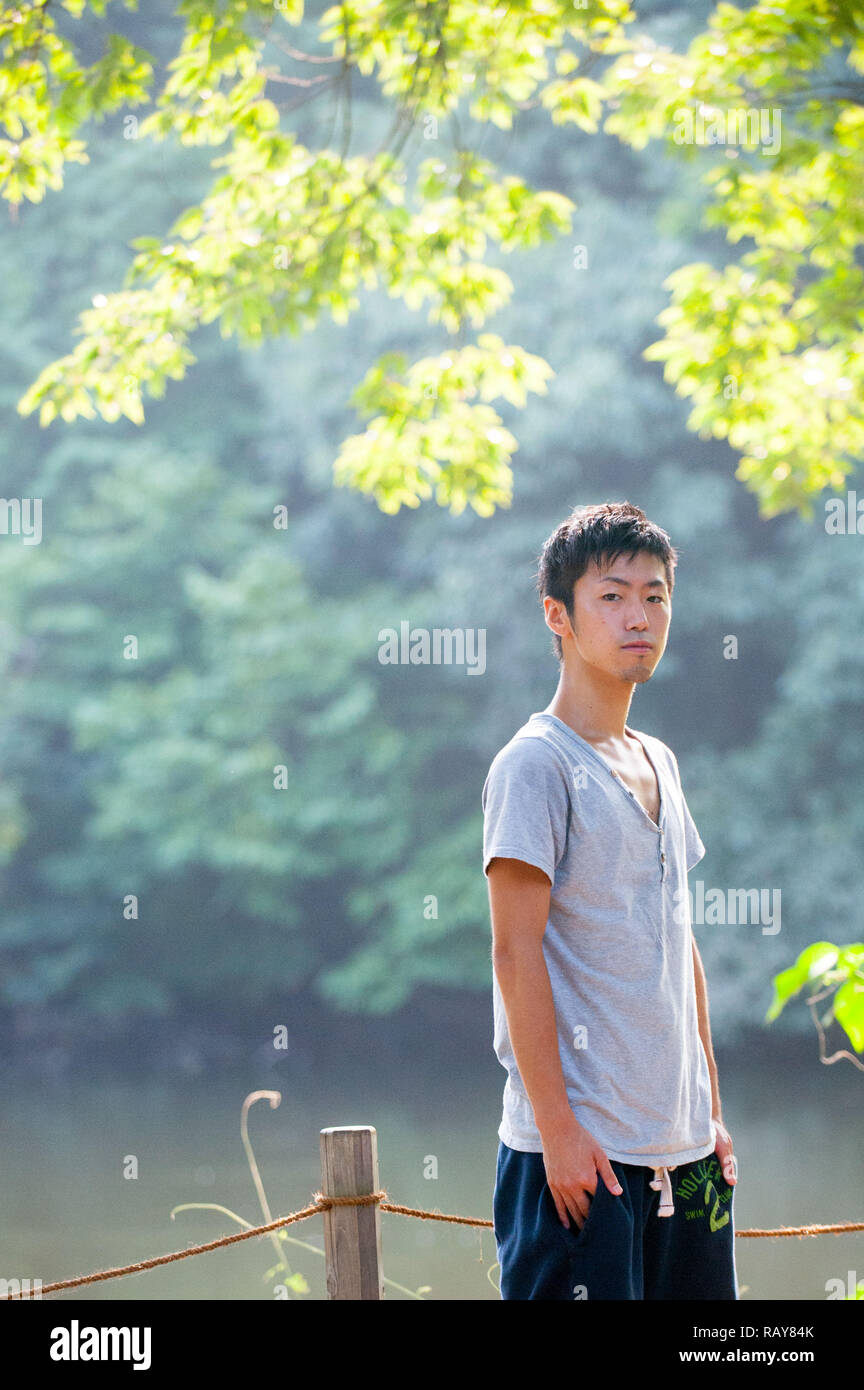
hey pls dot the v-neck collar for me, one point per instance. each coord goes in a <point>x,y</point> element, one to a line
<point>616,777</point>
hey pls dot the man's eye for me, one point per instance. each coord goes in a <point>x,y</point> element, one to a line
<point>611,595</point>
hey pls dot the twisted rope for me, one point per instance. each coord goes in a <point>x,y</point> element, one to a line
<point>320,1203</point>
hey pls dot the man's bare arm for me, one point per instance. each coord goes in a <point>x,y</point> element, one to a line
<point>723,1147</point>
<point>705,1027</point>
<point>519,905</point>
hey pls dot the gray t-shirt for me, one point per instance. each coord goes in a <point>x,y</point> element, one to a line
<point>617,943</point>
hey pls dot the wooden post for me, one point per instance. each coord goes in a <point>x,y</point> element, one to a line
<point>352,1235</point>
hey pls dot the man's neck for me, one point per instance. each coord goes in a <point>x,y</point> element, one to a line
<point>595,711</point>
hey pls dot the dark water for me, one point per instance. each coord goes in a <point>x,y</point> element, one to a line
<point>66,1208</point>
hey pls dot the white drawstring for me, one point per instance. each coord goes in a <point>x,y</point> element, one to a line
<point>661,1184</point>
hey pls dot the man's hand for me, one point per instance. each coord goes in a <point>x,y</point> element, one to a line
<point>574,1163</point>
<point>723,1150</point>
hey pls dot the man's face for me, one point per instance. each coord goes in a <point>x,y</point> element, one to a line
<point>617,605</point>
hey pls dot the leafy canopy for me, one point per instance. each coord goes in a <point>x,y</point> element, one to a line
<point>769,347</point>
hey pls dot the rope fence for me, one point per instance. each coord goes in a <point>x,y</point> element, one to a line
<point>357,1144</point>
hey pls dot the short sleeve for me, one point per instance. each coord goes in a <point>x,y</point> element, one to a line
<point>694,847</point>
<point>526,806</point>
<point>694,850</point>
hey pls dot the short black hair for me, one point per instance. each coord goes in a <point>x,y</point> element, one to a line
<point>602,530</point>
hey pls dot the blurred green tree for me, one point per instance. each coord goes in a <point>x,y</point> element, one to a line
<point>156,776</point>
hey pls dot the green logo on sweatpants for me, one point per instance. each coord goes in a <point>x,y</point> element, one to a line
<point>700,1185</point>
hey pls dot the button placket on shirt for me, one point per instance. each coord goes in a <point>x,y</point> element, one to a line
<point>621,783</point>
<point>638,804</point>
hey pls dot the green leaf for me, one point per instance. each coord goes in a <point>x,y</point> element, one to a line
<point>849,1011</point>
<point>812,963</point>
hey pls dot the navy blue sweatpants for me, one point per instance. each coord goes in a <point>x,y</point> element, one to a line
<point>624,1249</point>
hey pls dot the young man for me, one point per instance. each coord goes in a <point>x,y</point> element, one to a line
<point>615,1173</point>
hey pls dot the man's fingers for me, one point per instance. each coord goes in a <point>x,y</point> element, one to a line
<point>559,1206</point>
<point>723,1150</point>
<point>571,1207</point>
<point>607,1173</point>
<point>578,1206</point>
